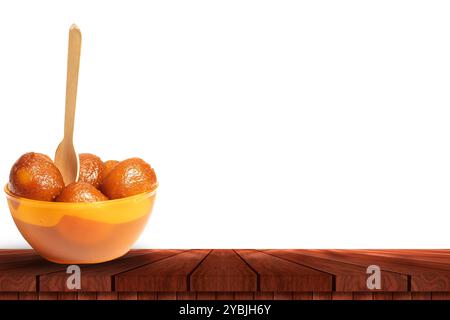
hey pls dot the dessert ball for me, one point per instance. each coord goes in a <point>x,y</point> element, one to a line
<point>81,192</point>
<point>91,169</point>
<point>128,178</point>
<point>35,176</point>
<point>109,165</point>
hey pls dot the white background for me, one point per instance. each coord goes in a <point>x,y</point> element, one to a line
<point>269,123</point>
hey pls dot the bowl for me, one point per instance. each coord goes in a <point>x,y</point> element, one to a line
<point>79,233</point>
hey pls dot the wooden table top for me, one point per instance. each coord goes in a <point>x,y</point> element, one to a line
<point>233,274</point>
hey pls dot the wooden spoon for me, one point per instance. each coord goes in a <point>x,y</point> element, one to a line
<point>66,159</point>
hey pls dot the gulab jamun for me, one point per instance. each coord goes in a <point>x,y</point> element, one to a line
<point>128,178</point>
<point>35,176</point>
<point>91,169</point>
<point>109,165</point>
<point>80,192</point>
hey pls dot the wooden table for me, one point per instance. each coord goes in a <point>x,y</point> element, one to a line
<point>233,274</point>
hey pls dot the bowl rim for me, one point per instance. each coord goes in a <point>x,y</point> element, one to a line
<point>34,202</point>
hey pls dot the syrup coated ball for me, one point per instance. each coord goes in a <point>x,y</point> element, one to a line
<point>109,165</point>
<point>91,169</point>
<point>128,178</point>
<point>81,192</point>
<point>35,176</point>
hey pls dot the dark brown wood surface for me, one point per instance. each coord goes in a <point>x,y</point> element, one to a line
<point>99,277</point>
<point>223,270</point>
<point>348,277</point>
<point>425,275</point>
<point>171,274</point>
<point>276,274</point>
<point>233,275</point>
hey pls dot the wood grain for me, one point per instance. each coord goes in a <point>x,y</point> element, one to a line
<point>322,296</point>
<point>107,296</point>
<point>24,276</point>
<point>224,295</point>
<point>223,270</point>
<point>348,277</point>
<point>422,278</point>
<point>233,275</point>
<point>382,296</point>
<point>48,296</point>
<point>362,296</point>
<point>263,295</point>
<point>99,277</point>
<point>167,296</point>
<point>277,275</point>
<point>279,295</point>
<point>147,296</point>
<point>401,296</point>
<point>170,274</point>
<point>67,296</point>
<point>86,296</point>
<point>186,296</point>
<point>28,296</point>
<point>342,296</point>
<point>9,296</point>
<point>244,296</point>
<point>127,296</point>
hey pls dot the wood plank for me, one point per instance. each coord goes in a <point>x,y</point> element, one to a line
<point>24,277</point>
<point>28,296</point>
<point>382,296</point>
<point>401,296</point>
<point>206,295</point>
<point>421,295</point>
<point>441,262</point>
<point>412,253</point>
<point>321,295</point>
<point>244,296</point>
<point>302,296</point>
<point>85,295</point>
<point>348,277</point>
<point>67,296</point>
<point>264,295</point>
<point>276,274</point>
<point>186,295</point>
<point>223,271</point>
<point>47,296</point>
<point>107,295</point>
<point>422,278</point>
<point>362,296</point>
<point>224,295</point>
<point>21,275</point>
<point>279,295</point>
<point>9,296</point>
<point>168,275</point>
<point>127,296</point>
<point>342,296</point>
<point>9,251</point>
<point>440,296</point>
<point>147,296</point>
<point>23,258</point>
<point>16,259</point>
<point>99,277</point>
<point>167,296</point>
<point>13,251</point>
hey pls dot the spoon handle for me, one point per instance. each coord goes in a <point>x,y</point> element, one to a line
<point>73,65</point>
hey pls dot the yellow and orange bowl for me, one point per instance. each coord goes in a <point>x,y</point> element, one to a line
<point>79,233</point>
